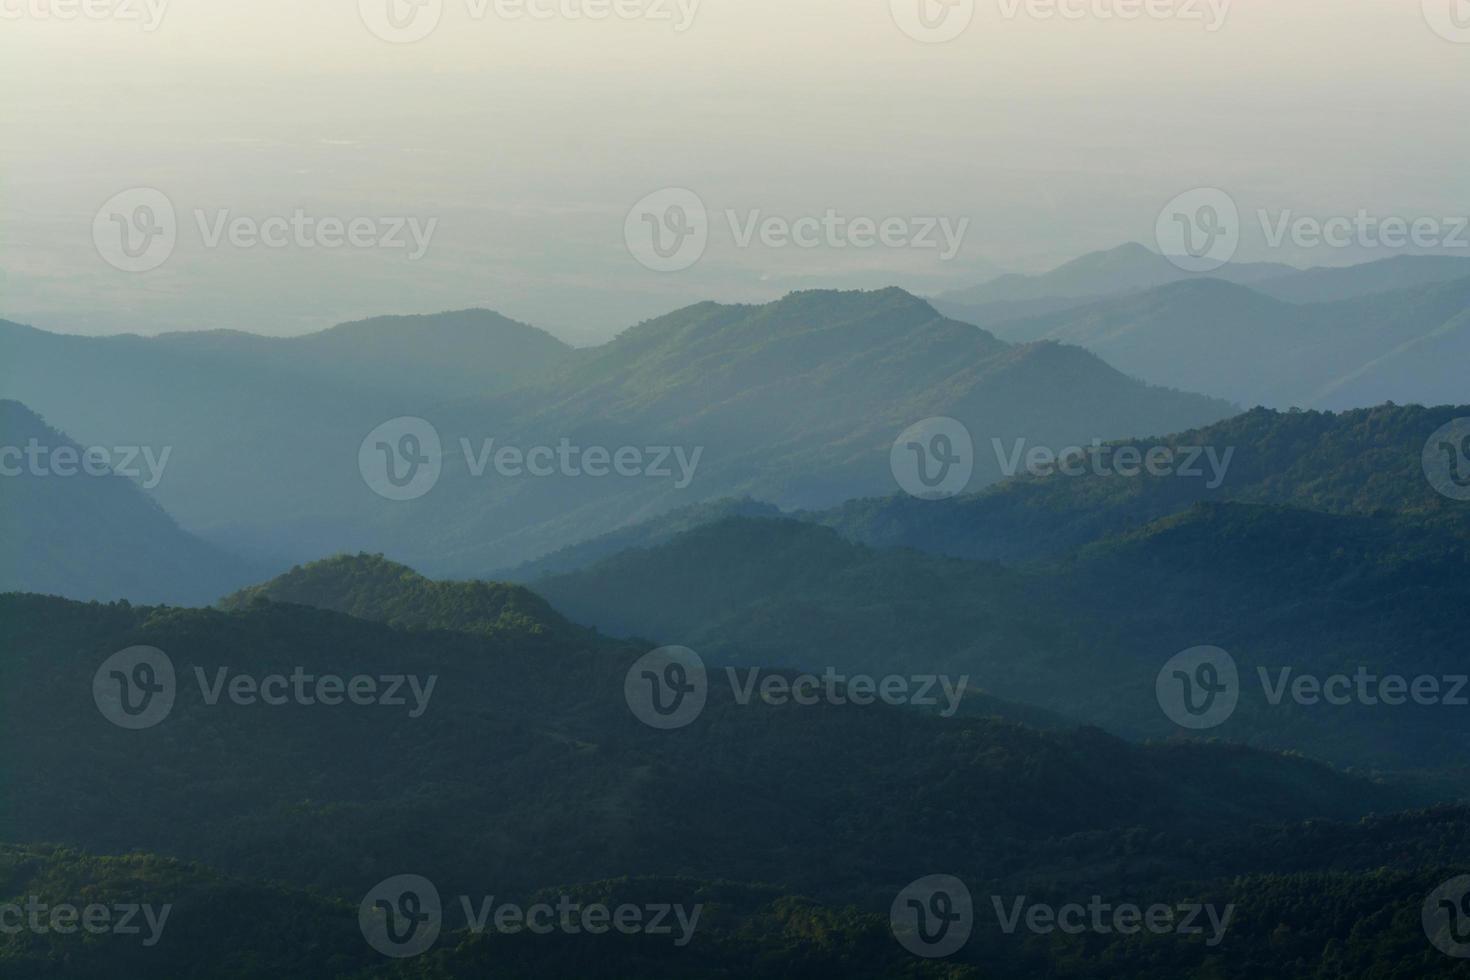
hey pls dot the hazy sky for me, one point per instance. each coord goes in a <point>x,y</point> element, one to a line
<point>527,141</point>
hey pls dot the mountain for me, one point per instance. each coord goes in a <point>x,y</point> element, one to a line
<point>1323,552</point>
<point>1331,285</point>
<point>371,587</point>
<point>1233,342</point>
<point>526,777</point>
<point>640,534</point>
<point>796,402</point>
<point>94,534</point>
<point>521,769</point>
<point>1316,594</point>
<point>1353,462</point>
<point>461,353</point>
<point>265,431</point>
<point>1133,268</point>
<point>1126,268</point>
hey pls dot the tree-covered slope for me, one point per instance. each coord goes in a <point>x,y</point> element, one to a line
<point>371,587</point>
<point>526,786</point>
<point>1348,462</point>
<point>526,768</point>
<point>1278,588</point>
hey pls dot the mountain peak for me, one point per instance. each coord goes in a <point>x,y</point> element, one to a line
<point>889,298</point>
<point>374,588</point>
<point>459,322</point>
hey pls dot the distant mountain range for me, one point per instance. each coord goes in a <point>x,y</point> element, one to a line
<point>797,402</point>
<point>1135,268</point>
<point>1232,342</point>
<point>1392,330</point>
<point>501,752</point>
<point>263,432</point>
<point>1128,268</point>
<point>1324,550</point>
<point>95,535</point>
<point>1357,462</point>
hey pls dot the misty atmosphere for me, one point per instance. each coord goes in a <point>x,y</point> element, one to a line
<point>966,489</point>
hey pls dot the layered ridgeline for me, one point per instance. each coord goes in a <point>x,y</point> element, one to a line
<point>643,534</point>
<point>371,587</point>
<point>1355,462</point>
<point>264,431</point>
<point>797,402</point>
<point>521,773</point>
<point>463,353</point>
<point>70,525</point>
<point>1233,342</point>
<point>1325,550</point>
<point>1135,269</point>
<point>1129,268</point>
